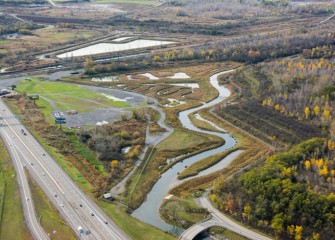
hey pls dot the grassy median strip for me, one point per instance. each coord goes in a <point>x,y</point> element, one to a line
<point>12,225</point>
<point>49,217</point>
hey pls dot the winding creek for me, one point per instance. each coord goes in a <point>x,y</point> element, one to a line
<point>149,211</point>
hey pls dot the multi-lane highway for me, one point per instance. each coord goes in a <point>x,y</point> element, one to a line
<point>75,207</point>
<point>28,206</point>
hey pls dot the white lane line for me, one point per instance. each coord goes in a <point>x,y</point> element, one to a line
<point>26,194</point>
<point>19,138</point>
<point>110,227</point>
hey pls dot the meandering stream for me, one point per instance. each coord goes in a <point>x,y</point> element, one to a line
<point>149,211</point>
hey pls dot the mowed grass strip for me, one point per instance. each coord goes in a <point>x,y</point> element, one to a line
<point>67,96</point>
<point>12,225</point>
<point>49,218</point>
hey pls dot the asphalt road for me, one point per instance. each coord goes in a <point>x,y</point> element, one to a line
<point>75,207</point>
<point>28,207</point>
<point>218,219</point>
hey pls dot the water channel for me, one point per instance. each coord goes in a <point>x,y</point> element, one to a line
<point>149,211</point>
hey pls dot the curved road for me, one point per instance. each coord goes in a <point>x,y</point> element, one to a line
<point>75,207</point>
<point>218,219</point>
<point>28,207</point>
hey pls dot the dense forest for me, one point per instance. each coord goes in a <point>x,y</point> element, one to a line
<point>292,194</point>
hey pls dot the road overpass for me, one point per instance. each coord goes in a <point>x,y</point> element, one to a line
<point>75,207</point>
<point>220,220</point>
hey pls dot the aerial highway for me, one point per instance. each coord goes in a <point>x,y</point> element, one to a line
<point>79,211</point>
<point>28,206</point>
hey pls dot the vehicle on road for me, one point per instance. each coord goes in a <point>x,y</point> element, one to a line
<point>80,229</point>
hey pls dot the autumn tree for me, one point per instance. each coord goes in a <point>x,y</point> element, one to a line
<point>114,164</point>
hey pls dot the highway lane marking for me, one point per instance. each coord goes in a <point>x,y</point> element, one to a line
<point>49,187</point>
<point>73,222</point>
<point>19,165</point>
<point>110,227</point>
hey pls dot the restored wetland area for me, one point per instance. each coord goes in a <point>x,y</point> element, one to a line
<point>186,119</point>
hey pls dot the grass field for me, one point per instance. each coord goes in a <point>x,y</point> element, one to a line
<point>2,192</point>
<point>146,2</point>
<point>66,96</point>
<point>11,205</point>
<point>182,212</point>
<point>218,231</point>
<point>44,38</point>
<point>133,227</point>
<point>49,217</point>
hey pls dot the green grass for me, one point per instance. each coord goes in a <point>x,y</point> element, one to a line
<point>67,166</point>
<point>4,43</point>
<point>182,212</point>
<point>2,193</point>
<point>86,153</point>
<point>66,97</point>
<point>227,233</point>
<point>147,2</point>
<point>181,139</point>
<point>49,217</point>
<point>10,202</point>
<point>203,164</point>
<point>133,227</point>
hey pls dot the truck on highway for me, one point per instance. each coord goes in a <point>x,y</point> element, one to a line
<point>80,229</point>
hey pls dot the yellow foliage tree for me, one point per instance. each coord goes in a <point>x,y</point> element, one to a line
<point>326,113</point>
<point>214,198</point>
<point>264,102</point>
<point>298,232</point>
<point>307,164</point>
<point>277,107</point>
<point>290,230</point>
<point>286,172</point>
<point>307,112</point>
<point>324,171</point>
<point>316,236</point>
<point>157,58</point>
<point>316,110</point>
<point>114,163</point>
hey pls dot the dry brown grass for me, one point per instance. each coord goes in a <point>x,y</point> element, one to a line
<point>253,151</point>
